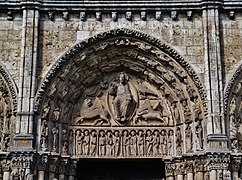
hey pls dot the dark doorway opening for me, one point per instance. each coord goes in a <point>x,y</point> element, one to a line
<point>120,169</point>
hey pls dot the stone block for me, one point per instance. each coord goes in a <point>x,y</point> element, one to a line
<point>194,50</point>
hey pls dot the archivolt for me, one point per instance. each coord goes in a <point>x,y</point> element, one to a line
<point>10,85</point>
<point>77,57</point>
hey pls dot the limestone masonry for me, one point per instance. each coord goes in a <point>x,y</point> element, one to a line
<point>122,81</point>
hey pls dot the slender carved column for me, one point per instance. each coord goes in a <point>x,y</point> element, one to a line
<point>179,170</point>
<point>42,167</point>
<point>6,169</point>
<point>27,79</point>
<point>170,168</point>
<point>52,168</point>
<point>199,168</point>
<point>235,167</point>
<point>62,169</point>
<point>189,170</point>
<point>72,170</point>
<point>217,138</point>
<point>218,163</point>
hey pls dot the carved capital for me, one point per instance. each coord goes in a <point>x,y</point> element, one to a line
<point>53,165</point>
<point>199,165</point>
<point>72,168</point>
<point>189,167</point>
<point>62,169</point>
<point>42,163</point>
<point>235,164</point>
<point>180,166</point>
<point>170,168</point>
<point>5,165</point>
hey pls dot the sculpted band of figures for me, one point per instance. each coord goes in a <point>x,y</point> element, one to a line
<point>123,143</point>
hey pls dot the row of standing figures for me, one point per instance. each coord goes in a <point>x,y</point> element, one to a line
<point>127,143</point>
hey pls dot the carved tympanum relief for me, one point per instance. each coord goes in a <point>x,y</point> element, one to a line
<point>122,97</point>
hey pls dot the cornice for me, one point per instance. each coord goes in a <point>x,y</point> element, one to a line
<point>134,5</point>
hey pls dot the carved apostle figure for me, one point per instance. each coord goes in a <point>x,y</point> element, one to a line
<point>79,140</point>
<point>126,140</point>
<point>122,98</point>
<point>116,141</point>
<point>85,143</point>
<point>102,143</point>
<point>133,146</point>
<point>109,144</point>
<point>156,143</point>
<point>149,142</point>
<point>163,142</point>
<point>140,143</point>
<point>188,140</point>
<point>93,143</point>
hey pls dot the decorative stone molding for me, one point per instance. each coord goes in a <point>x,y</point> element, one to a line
<point>218,161</point>
<point>42,163</point>
<point>189,166</point>
<point>10,84</point>
<point>79,47</point>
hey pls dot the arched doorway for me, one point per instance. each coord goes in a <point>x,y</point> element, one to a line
<point>122,169</point>
<point>121,95</point>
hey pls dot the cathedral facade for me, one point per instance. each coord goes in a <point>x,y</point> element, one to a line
<point>88,88</point>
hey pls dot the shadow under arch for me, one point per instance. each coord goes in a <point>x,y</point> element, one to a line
<point>233,110</point>
<point>8,108</point>
<point>156,73</point>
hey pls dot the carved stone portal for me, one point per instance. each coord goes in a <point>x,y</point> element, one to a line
<point>123,97</point>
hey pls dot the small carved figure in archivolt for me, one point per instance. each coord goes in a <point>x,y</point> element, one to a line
<point>199,136</point>
<point>186,111</point>
<point>123,98</point>
<point>93,143</point>
<point>64,141</point>
<point>93,111</point>
<point>133,141</point>
<point>109,144</point>
<point>126,140</point>
<point>54,133</point>
<point>102,143</point>
<point>175,112</point>
<point>140,143</point>
<point>116,141</point>
<point>189,138</point>
<point>178,141</point>
<point>44,135</point>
